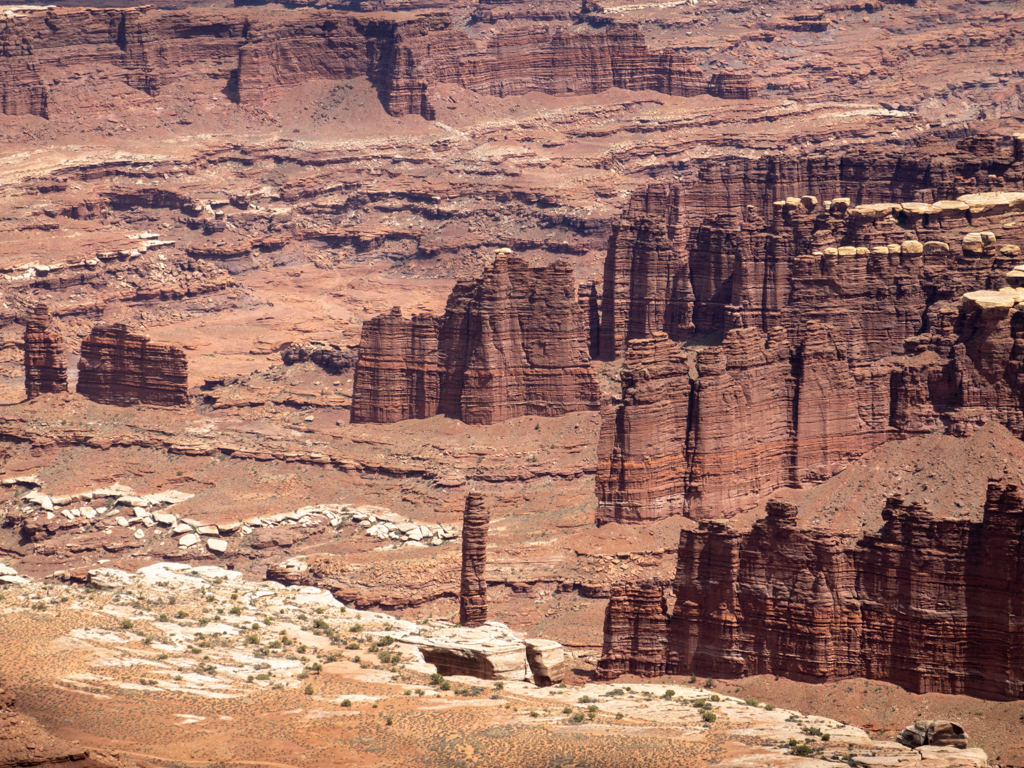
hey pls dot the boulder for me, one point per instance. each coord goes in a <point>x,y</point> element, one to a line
<point>936,733</point>
<point>547,661</point>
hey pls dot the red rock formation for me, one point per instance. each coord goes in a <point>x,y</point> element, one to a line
<point>644,256</point>
<point>643,443</point>
<point>635,632</point>
<point>510,344</point>
<point>45,366</point>
<point>397,374</point>
<point>930,604</point>
<point>24,743</point>
<point>732,85</point>
<point>255,51</point>
<point>797,403</point>
<point>726,267</point>
<point>119,367</point>
<point>473,588</point>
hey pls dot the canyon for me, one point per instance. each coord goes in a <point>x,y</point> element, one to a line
<point>714,305</point>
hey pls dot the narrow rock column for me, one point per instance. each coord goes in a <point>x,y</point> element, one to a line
<point>45,369</point>
<point>473,591</point>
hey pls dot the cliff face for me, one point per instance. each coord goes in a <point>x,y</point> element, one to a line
<point>930,604</point>
<point>635,626</point>
<point>255,51</point>
<point>473,586</point>
<point>45,366</point>
<point>864,344</point>
<point>512,343</point>
<point>119,367</point>
<point>731,248</point>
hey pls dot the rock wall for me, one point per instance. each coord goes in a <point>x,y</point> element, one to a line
<point>510,344</point>
<point>685,259</point>
<point>829,350</point>
<point>45,365</point>
<point>255,52</point>
<point>473,586</point>
<point>930,604</point>
<point>635,632</point>
<point>119,367</point>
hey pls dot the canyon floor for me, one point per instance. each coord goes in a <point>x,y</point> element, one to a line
<point>201,666</point>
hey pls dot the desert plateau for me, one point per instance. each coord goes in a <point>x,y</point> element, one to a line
<point>507,384</point>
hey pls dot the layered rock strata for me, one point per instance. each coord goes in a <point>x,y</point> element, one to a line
<point>45,366</point>
<point>730,248</point>
<point>635,631</point>
<point>825,355</point>
<point>119,367</point>
<point>473,586</point>
<point>928,603</point>
<point>256,53</point>
<point>510,344</point>
<point>547,661</point>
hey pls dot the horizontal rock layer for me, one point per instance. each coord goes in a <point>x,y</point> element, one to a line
<point>256,51</point>
<point>512,343</point>
<point>119,367</point>
<point>45,365</point>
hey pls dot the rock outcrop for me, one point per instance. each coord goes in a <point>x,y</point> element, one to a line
<point>938,733</point>
<point>547,661</point>
<point>931,604</point>
<point>825,355</point>
<point>473,587</point>
<point>23,742</point>
<point>119,367</point>
<point>333,358</point>
<point>489,652</point>
<point>510,344</point>
<point>732,248</point>
<point>45,365</point>
<point>635,631</point>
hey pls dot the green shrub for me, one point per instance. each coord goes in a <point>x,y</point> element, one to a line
<point>309,690</point>
<point>346,703</point>
<point>127,624</point>
<point>577,718</point>
<point>708,717</point>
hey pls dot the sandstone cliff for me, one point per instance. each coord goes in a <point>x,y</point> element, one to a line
<point>512,343</point>
<point>635,627</point>
<point>721,251</point>
<point>927,603</point>
<point>829,350</point>
<point>45,365</point>
<point>119,367</point>
<point>254,52</point>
